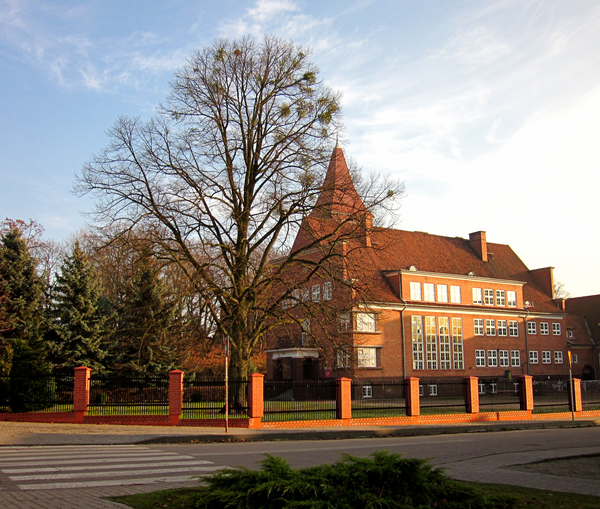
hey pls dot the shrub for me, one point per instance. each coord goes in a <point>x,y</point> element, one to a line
<point>385,481</point>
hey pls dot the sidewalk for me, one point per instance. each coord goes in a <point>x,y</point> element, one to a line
<point>25,433</point>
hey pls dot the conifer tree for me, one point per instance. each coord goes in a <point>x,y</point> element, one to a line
<point>79,327</point>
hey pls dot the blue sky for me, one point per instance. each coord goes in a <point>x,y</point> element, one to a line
<point>488,110</point>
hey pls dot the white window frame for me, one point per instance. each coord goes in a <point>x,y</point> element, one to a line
<point>481,386</point>
<point>531,328</point>
<point>415,291</point>
<point>433,390</point>
<point>490,327</point>
<point>500,298</point>
<point>477,296</point>
<point>492,358</point>
<point>533,357</point>
<point>515,358</point>
<point>504,359</point>
<point>442,293</point>
<point>428,292</point>
<point>367,391</point>
<point>345,322</point>
<point>344,359</point>
<point>569,333</point>
<point>502,326</point>
<point>488,297</point>
<point>457,344</point>
<point>296,296</point>
<point>559,358</point>
<point>305,294</point>
<point>544,329</point>
<point>366,357</point>
<point>573,357</point>
<point>455,294</point>
<point>316,293</point>
<point>478,329</point>
<point>546,357</point>
<point>513,328</point>
<point>417,342</point>
<point>444,342</point>
<point>556,329</point>
<point>511,299</point>
<point>431,347</point>
<point>366,322</point>
<point>480,358</point>
<point>327,290</point>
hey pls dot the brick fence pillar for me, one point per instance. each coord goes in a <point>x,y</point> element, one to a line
<point>413,403</point>
<point>344,400</point>
<point>175,396</point>
<point>81,392</point>
<point>526,392</point>
<point>472,394</point>
<point>577,407</point>
<point>256,386</point>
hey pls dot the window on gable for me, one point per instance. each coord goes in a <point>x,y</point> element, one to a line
<point>488,297</point>
<point>415,291</point>
<point>511,299</point>
<point>477,296</point>
<point>428,292</point>
<point>365,322</point>
<point>442,293</point>
<point>500,297</point>
<point>455,294</point>
<point>544,329</point>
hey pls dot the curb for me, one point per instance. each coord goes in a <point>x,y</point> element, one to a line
<point>383,432</point>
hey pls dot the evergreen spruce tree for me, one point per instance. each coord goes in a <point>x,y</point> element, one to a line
<point>79,327</point>
<point>145,320</point>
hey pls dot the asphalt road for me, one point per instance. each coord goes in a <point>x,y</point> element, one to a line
<point>80,476</point>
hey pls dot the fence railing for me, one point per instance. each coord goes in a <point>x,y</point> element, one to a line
<point>590,394</point>
<point>42,393</point>
<point>499,395</point>
<point>118,395</point>
<point>442,395</point>
<point>286,400</point>
<point>551,396</point>
<point>378,397</point>
<point>206,399</point>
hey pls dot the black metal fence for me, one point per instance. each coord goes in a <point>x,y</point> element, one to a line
<point>286,400</point>
<point>590,394</point>
<point>378,397</point>
<point>120,395</point>
<point>206,399</point>
<point>551,396</point>
<point>499,395</point>
<point>442,395</point>
<point>46,393</point>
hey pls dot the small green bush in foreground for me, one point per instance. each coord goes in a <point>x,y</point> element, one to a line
<point>385,481</point>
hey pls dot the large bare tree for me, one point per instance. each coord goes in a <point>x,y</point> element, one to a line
<point>223,176</point>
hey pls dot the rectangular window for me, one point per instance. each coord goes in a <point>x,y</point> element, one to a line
<point>533,357</point>
<point>515,358</point>
<point>367,357</point>
<point>444,338</point>
<point>480,358</point>
<point>513,328</point>
<point>477,296</point>
<point>478,326</point>
<point>305,331</point>
<point>344,359</point>
<point>305,294</point>
<point>296,296</point>
<point>492,358</point>
<point>500,298</point>
<point>285,303</point>
<point>455,294</point>
<point>556,329</point>
<point>365,322</point>
<point>316,293</point>
<point>345,322</point>
<point>367,391</point>
<point>415,291</point>
<point>558,357</point>
<point>546,357</point>
<point>488,297</point>
<point>504,360</point>
<point>417,341</point>
<point>457,343</point>
<point>481,388</point>
<point>511,299</point>
<point>502,328</point>
<point>490,327</point>
<point>428,292</point>
<point>431,342</point>
<point>569,333</point>
<point>573,356</point>
<point>531,328</point>
<point>327,290</point>
<point>433,390</point>
<point>442,293</point>
<point>544,329</point>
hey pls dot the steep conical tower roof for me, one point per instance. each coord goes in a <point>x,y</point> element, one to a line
<point>338,194</point>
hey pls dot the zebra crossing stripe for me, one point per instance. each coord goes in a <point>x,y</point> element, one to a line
<point>97,484</point>
<point>115,459</point>
<point>101,467</point>
<point>49,457</point>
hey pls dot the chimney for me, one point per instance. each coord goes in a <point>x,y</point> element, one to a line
<point>545,278</point>
<point>479,245</point>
